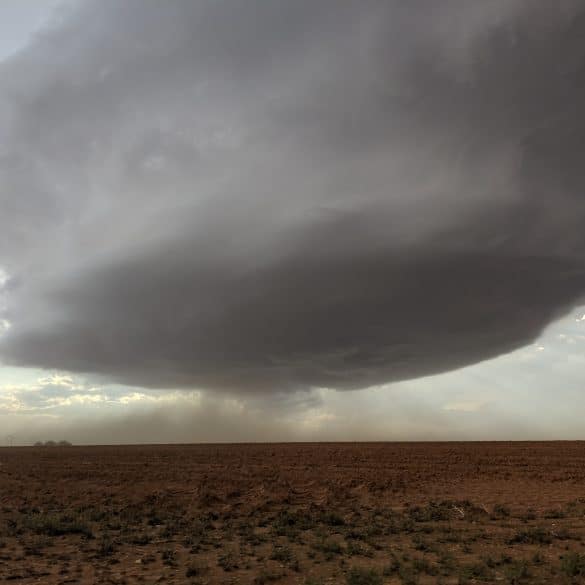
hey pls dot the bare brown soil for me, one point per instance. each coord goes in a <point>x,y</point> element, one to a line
<point>294,513</point>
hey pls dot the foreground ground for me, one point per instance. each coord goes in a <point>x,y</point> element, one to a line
<point>354,514</point>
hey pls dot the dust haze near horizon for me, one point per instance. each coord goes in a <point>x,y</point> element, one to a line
<point>289,221</point>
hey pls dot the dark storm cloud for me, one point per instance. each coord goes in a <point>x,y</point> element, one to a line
<point>280,195</point>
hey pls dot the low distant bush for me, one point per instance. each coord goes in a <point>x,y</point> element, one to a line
<point>358,576</point>
<point>573,564</point>
<point>196,569</point>
<point>58,525</point>
<point>106,546</point>
<point>266,576</point>
<point>531,536</point>
<point>517,571</point>
<point>501,511</point>
<point>228,560</point>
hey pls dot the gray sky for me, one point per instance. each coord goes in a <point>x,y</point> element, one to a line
<point>276,220</point>
<point>21,19</point>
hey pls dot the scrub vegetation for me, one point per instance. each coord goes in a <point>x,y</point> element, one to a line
<point>307,514</point>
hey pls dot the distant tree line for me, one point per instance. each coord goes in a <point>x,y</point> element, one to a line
<point>53,444</point>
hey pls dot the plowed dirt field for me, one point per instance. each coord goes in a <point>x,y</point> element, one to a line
<point>354,514</point>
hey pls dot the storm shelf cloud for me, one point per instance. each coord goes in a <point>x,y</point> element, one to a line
<point>276,195</point>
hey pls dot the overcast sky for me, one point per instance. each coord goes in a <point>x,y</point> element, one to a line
<point>342,220</point>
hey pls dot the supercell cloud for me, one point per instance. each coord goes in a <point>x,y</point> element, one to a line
<point>274,195</point>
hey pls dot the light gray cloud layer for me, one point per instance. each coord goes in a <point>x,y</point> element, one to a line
<point>280,195</point>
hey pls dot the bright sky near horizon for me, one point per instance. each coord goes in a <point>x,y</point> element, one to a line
<point>534,392</point>
<point>20,19</point>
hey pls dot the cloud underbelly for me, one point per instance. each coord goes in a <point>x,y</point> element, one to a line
<point>345,323</point>
<point>272,196</point>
